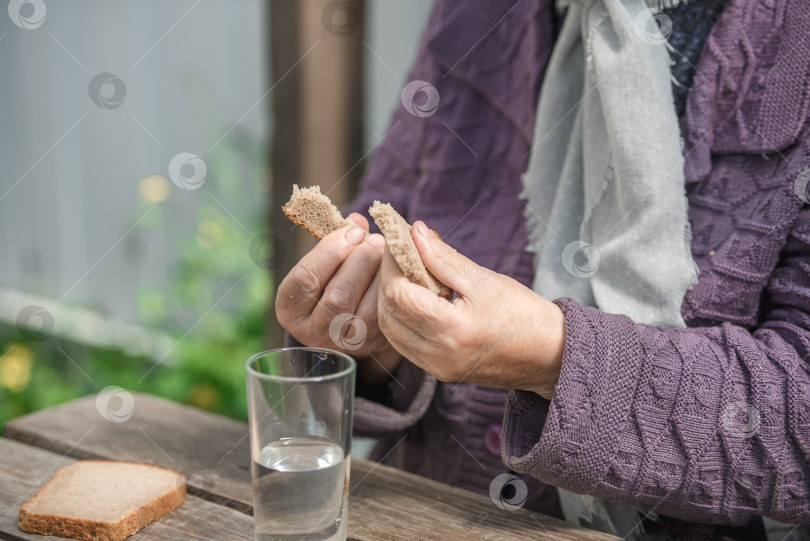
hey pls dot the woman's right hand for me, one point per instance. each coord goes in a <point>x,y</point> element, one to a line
<point>336,280</point>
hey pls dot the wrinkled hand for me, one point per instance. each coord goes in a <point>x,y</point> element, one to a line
<point>497,332</point>
<point>336,280</point>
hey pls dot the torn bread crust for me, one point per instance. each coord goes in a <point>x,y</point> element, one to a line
<point>397,233</point>
<point>310,209</point>
<point>96,530</point>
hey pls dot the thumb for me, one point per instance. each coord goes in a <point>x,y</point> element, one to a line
<point>444,262</point>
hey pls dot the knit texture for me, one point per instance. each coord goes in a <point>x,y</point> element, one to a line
<point>642,413</point>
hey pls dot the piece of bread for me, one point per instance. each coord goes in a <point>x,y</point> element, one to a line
<point>102,500</point>
<point>313,211</point>
<point>397,233</point>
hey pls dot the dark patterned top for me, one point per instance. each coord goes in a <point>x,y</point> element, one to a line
<point>686,26</point>
<point>690,24</point>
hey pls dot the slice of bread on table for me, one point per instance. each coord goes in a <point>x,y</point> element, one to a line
<point>313,211</point>
<point>102,500</point>
<point>397,233</point>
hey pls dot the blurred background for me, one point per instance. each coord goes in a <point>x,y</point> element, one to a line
<point>145,150</point>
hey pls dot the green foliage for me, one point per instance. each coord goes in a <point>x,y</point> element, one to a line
<point>214,307</point>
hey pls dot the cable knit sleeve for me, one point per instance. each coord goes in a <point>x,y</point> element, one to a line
<point>709,424</point>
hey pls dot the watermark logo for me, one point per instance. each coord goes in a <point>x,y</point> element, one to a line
<point>268,251</point>
<point>652,26</point>
<point>420,99</point>
<point>502,179</point>
<point>107,90</point>
<point>115,404</point>
<point>580,259</point>
<point>740,419</point>
<point>34,323</point>
<point>340,18</point>
<point>802,186</point>
<point>348,331</point>
<point>187,171</point>
<point>27,14</point>
<point>508,491</point>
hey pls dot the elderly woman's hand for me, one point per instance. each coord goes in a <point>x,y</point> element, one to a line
<point>332,285</point>
<point>497,332</point>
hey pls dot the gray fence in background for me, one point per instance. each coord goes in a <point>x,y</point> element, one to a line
<point>71,168</point>
<point>73,163</point>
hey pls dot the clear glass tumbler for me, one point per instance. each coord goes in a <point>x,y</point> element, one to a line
<point>300,404</point>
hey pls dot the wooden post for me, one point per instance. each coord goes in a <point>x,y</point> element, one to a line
<point>316,53</point>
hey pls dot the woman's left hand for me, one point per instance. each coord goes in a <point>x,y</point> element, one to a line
<point>497,332</point>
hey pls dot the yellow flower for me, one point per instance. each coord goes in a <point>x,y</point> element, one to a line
<point>15,368</point>
<point>153,189</point>
<point>210,234</point>
<point>204,396</point>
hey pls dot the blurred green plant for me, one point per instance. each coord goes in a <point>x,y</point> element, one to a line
<point>214,309</point>
<point>214,306</point>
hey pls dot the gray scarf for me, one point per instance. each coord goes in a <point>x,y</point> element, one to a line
<point>605,189</point>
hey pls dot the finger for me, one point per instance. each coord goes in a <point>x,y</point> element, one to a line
<point>413,305</point>
<point>367,308</point>
<point>389,269</point>
<point>444,262</point>
<point>302,288</point>
<point>407,341</point>
<point>359,219</point>
<point>347,287</point>
<point>403,339</point>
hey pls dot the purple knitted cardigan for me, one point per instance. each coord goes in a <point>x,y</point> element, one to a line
<point>642,414</point>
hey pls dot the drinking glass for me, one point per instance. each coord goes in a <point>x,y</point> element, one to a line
<point>300,403</point>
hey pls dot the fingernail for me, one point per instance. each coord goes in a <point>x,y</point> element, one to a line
<point>422,229</point>
<point>355,235</point>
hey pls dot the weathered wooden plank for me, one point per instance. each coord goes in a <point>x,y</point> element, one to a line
<point>25,469</point>
<point>212,450</point>
<point>408,508</point>
<point>384,503</point>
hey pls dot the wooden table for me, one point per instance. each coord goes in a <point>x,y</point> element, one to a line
<point>213,452</point>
